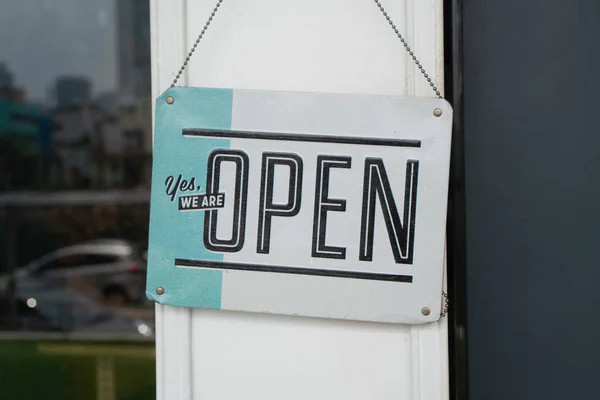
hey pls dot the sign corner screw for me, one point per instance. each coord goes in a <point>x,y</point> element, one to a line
<point>437,112</point>
<point>160,290</point>
<point>425,311</point>
<point>170,100</point>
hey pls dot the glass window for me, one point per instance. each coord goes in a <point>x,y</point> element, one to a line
<point>28,319</point>
<point>66,262</point>
<point>78,260</point>
<point>75,164</point>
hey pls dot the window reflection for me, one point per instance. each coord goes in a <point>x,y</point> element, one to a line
<point>75,159</point>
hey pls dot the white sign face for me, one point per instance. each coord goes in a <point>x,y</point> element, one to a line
<point>302,204</point>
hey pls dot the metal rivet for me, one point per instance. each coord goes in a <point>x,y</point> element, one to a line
<point>160,290</point>
<point>170,100</point>
<point>437,112</point>
<point>425,311</point>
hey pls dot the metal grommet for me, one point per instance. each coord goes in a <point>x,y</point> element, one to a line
<point>437,112</point>
<point>170,100</point>
<point>425,311</point>
<point>160,290</point>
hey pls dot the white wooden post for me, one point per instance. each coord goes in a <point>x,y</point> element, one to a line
<point>335,46</point>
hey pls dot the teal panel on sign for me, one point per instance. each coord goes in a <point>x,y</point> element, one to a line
<point>180,169</point>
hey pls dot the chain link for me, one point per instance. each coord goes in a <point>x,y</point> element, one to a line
<point>385,14</point>
<point>206,25</point>
<point>408,49</point>
<point>446,305</point>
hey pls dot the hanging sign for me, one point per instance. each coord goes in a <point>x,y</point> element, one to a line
<point>322,205</point>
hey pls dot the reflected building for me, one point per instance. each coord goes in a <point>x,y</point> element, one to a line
<point>26,132</point>
<point>133,45</point>
<point>72,90</point>
<point>7,79</point>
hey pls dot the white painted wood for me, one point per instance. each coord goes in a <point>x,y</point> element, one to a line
<point>173,325</point>
<point>337,46</point>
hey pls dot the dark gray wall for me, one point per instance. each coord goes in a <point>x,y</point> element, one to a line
<point>532,157</point>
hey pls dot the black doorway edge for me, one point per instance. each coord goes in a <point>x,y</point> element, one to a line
<point>456,224</point>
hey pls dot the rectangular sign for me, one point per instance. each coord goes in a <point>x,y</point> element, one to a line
<point>305,204</point>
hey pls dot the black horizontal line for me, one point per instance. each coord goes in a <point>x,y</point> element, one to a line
<point>292,270</point>
<point>302,137</point>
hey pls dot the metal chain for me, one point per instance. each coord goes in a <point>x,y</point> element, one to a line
<point>206,25</point>
<point>446,305</point>
<point>385,14</point>
<point>408,49</point>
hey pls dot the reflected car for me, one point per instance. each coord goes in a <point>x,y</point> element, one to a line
<point>109,270</point>
<point>67,311</point>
